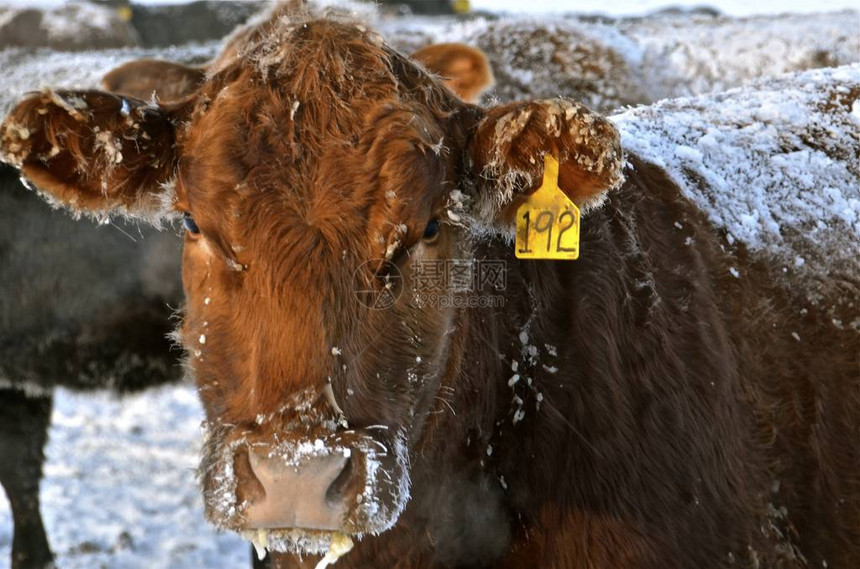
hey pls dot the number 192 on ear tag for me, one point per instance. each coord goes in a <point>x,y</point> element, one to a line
<point>548,222</point>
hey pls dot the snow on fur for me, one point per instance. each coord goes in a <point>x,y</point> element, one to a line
<point>683,56</point>
<point>607,64</point>
<point>538,58</point>
<point>776,165</point>
<point>299,414</point>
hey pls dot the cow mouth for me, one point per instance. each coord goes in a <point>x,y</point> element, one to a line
<point>298,541</point>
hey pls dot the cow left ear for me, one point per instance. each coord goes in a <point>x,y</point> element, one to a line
<point>508,146</point>
<point>464,69</point>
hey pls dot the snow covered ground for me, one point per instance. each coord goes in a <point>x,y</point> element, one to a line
<point>120,489</point>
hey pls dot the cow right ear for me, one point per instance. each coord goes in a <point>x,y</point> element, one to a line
<point>94,152</point>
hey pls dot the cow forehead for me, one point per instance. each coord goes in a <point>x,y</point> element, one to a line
<point>326,75</point>
<point>318,125</point>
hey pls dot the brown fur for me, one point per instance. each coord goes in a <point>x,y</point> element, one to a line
<point>666,421</point>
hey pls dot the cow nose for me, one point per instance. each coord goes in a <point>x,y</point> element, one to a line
<point>299,493</point>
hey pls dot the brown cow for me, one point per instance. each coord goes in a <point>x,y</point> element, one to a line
<point>634,408</point>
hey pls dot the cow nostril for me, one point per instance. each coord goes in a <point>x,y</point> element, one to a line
<point>337,489</point>
<point>248,487</point>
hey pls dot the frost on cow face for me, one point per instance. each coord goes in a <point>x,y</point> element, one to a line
<point>315,172</point>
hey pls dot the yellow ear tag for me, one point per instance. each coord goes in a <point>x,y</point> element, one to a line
<point>548,222</point>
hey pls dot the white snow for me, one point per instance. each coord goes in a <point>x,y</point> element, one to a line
<point>604,66</point>
<point>120,489</point>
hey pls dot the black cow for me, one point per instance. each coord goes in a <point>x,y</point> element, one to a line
<point>83,306</point>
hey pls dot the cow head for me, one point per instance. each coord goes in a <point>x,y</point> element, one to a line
<point>312,174</point>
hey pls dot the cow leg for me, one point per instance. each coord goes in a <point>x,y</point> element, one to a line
<point>24,425</point>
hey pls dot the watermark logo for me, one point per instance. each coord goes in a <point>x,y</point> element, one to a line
<point>437,283</point>
<point>461,283</point>
<point>374,291</point>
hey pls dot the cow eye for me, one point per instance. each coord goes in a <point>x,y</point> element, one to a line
<point>189,224</point>
<point>432,230</point>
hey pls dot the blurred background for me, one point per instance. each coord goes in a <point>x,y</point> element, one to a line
<point>155,23</point>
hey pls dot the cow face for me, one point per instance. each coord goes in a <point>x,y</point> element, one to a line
<point>313,174</point>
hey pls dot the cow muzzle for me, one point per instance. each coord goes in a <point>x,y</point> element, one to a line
<point>300,492</point>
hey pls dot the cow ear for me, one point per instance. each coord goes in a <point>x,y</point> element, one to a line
<point>168,82</point>
<point>465,69</point>
<point>93,151</point>
<point>507,152</point>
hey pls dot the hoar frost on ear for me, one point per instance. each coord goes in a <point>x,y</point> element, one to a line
<point>92,151</point>
<point>508,148</point>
